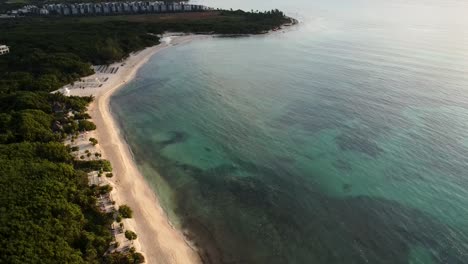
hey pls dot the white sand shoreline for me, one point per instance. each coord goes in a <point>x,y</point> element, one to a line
<point>157,239</point>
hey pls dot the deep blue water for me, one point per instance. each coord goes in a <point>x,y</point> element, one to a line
<point>342,140</point>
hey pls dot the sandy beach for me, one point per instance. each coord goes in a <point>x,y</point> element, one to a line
<point>157,240</point>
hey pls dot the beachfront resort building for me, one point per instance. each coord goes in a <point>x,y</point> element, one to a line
<point>4,49</point>
<point>29,10</point>
<point>108,8</point>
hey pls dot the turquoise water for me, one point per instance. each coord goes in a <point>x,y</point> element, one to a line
<point>343,140</point>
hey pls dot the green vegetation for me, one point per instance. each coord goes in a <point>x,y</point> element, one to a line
<point>131,257</point>
<point>118,219</point>
<point>130,235</point>
<point>48,212</point>
<point>85,125</point>
<point>81,116</point>
<point>93,165</point>
<point>93,141</point>
<point>125,211</point>
<point>101,190</point>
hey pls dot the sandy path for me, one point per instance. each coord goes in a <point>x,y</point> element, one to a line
<point>157,239</point>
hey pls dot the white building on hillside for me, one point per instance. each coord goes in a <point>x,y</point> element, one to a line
<point>4,49</point>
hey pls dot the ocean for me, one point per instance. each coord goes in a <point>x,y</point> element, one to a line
<point>341,140</point>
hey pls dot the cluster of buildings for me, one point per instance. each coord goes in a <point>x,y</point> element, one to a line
<point>107,8</point>
<point>4,49</point>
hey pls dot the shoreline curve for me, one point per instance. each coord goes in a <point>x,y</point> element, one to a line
<point>158,240</point>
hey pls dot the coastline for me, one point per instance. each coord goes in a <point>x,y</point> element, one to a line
<point>157,239</point>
